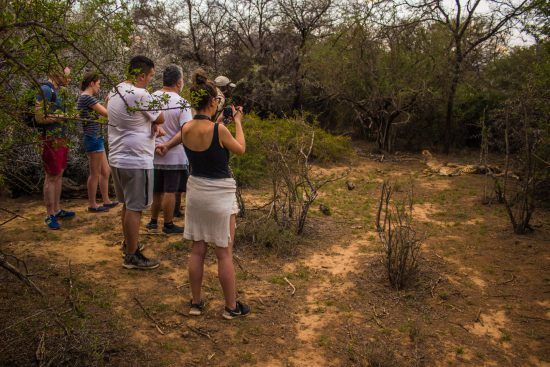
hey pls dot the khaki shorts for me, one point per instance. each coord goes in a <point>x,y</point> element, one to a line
<point>133,187</point>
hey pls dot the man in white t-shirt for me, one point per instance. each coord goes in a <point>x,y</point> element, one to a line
<point>171,169</point>
<point>134,122</point>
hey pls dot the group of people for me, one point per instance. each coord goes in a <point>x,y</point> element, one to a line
<point>157,150</point>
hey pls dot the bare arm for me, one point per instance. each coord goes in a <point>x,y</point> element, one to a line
<point>176,140</point>
<point>235,144</point>
<point>99,109</point>
<point>42,119</point>
<point>159,120</point>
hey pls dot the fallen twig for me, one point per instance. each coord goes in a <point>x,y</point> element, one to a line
<point>460,325</point>
<point>292,285</point>
<point>181,313</point>
<point>149,316</point>
<point>152,234</point>
<point>200,332</point>
<point>508,281</point>
<point>503,295</point>
<point>71,300</point>
<point>13,213</point>
<point>238,261</point>
<point>7,221</point>
<point>433,286</point>
<point>375,317</point>
<point>478,317</point>
<point>24,319</point>
<point>533,318</point>
<point>12,269</point>
<point>40,350</point>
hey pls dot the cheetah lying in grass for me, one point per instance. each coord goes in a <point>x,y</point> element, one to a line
<point>454,169</point>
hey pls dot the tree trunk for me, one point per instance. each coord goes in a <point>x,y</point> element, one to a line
<point>448,131</point>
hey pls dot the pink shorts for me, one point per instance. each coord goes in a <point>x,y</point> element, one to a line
<point>54,155</point>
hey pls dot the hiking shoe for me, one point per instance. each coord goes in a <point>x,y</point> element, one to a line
<point>140,247</point>
<point>196,310</point>
<point>111,205</point>
<point>139,261</point>
<point>152,225</point>
<point>171,228</point>
<point>99,209</point>
<point>64,214</point>
<point>51,222</point>
<point>240,310</point>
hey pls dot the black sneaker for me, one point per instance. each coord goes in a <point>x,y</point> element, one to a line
<point>240,310</point>
<point>196,310</point>
<point>140,248</point>
<point>152,225</point>
<point>139,261</point>
<point>171,228</point>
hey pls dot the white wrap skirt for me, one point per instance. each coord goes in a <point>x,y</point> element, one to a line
<point>209,204</point>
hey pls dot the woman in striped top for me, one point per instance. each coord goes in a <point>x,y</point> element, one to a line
<point>89,108</point>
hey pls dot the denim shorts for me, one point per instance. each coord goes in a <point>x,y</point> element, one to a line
<point>94,144</point>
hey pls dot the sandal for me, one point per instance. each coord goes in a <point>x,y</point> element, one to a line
<point>98,209</point>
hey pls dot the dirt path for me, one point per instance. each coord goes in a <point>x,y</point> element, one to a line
<point>331,268</point>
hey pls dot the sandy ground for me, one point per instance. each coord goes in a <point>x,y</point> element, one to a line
<point>481,297</point>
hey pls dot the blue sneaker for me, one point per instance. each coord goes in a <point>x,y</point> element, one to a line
<point>51,222</point>
<point>65,214</point>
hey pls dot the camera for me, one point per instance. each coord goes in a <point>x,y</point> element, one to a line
<point>227,115</point>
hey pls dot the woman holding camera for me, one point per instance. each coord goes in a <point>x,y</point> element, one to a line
<point>211,203</point>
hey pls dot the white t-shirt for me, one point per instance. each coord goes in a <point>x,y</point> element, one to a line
<point>131,143</point>
<point>176,113</point>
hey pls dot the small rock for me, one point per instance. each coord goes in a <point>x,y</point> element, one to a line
<point>245,340</point>
<point>185,334</point>
<point>350,185</point>
<point>324,209</point>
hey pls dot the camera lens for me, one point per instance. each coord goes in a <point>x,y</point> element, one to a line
<point>227,111</point>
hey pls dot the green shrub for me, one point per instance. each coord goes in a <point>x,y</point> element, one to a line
<point>250,168</point>
<point>265,234</point>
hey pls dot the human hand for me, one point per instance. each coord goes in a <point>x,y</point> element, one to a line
<point>237,113</point>
<point>157,131</point>
<point>161,150</point>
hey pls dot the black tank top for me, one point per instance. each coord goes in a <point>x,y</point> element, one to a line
<point>212,162</point>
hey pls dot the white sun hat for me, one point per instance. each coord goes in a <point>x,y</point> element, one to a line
<point>223,81</point>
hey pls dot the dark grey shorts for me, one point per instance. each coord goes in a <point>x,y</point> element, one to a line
<point>170,180</point>
<point>133,187</point>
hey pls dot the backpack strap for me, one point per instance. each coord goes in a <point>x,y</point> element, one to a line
<point>53,97</point>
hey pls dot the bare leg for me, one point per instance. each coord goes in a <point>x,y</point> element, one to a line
<point>177,204</point>
<point>104,179</point>
<point>226,270</point>
<point>196,269</point>
<point>58,185</point>
<point>168,203</point>
<point>95,161</point>
<point>131,221</point>
<point>157,204</point>
<point>50,192</point>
